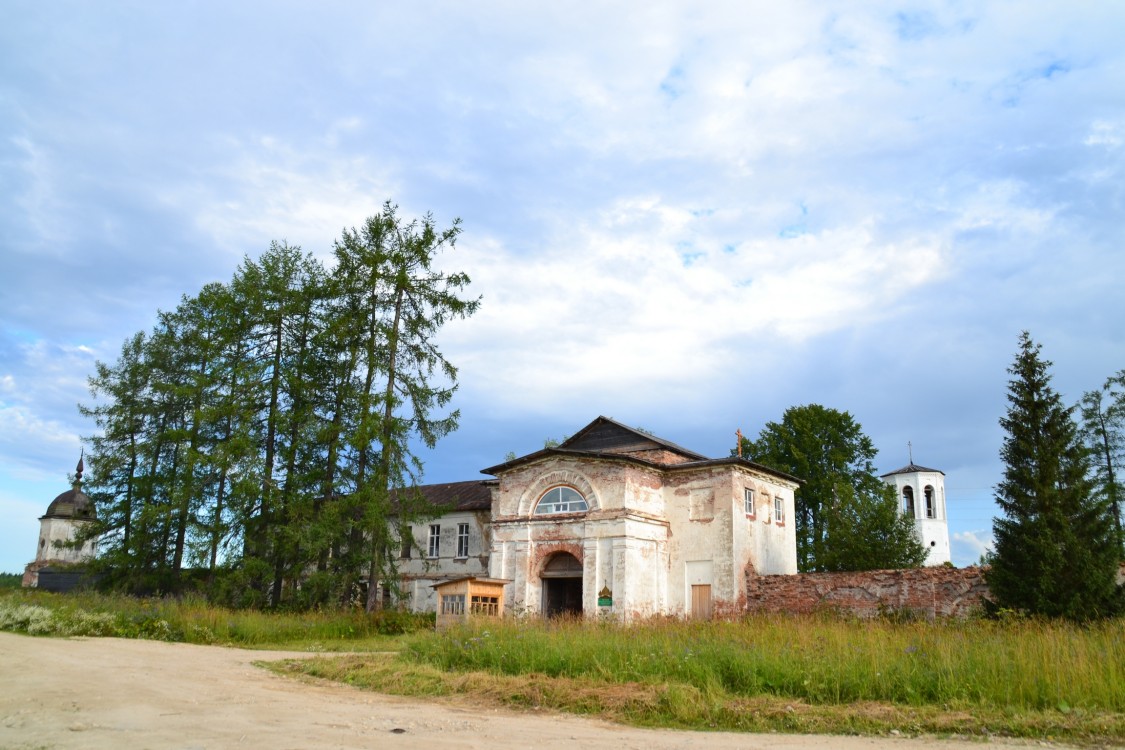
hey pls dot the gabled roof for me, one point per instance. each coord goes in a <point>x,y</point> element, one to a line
<point>605,435</point>
<point>607,438</point>
<point>912,468</point>
<point>476,494</point>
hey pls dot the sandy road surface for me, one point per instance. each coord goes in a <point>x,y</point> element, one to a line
<point>114,693</point>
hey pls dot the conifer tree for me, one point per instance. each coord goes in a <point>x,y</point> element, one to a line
<point>400,304</point>
<point>1055,552</point>
<point>1102,428</point>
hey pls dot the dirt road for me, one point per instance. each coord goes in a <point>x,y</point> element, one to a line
<point>114,693</point>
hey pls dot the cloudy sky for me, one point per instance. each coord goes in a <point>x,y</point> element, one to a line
<point>685,216</point>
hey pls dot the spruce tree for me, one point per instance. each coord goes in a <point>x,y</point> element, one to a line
<point>1055,552</point>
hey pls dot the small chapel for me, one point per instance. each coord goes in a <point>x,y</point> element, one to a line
<point>58,562</point>
<point>613,521</point>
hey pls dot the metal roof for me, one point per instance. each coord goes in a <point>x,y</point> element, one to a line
<point>912,468</point>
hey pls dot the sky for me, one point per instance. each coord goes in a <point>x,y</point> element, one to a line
<point>684,216</point>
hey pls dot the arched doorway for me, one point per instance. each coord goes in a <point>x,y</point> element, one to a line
<point>562,585</point>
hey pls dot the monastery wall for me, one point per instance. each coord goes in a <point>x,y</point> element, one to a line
<point>935,592</point>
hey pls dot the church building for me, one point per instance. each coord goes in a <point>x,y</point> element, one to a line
<point>612,521</point>
<point>57,562</point>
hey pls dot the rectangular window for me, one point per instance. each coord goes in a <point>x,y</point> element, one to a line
<point>485,605</point>
<point>453,604</point>
<point>749,501</point>
<point>462,540</point>
<point>407,542</point>
<point>435,540</point>
<point>778,509</point>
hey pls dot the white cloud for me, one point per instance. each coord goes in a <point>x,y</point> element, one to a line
<point>31,445</point>
<point>1106,133</point>
<point>643,300</point>
<point>273,189</point>
<point>969,546</point>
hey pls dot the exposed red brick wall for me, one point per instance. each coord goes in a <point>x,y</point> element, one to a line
<point>935,592</point>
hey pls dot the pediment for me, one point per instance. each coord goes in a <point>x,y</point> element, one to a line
<point>605,435</point>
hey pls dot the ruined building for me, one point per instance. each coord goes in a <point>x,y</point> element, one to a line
<point>57,564</point>
<point>612,521</point>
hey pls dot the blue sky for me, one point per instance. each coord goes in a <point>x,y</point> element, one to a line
<point>684,216</point>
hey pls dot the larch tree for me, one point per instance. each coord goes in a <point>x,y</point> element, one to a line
<point>1102,429</point>
<point>262,431</point>
<point>1055,552</point>
<point>401,303</point>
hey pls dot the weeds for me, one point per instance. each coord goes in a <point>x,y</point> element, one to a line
<point>1013,676</point>
<point>195,621</point>
<point>1028,665</point>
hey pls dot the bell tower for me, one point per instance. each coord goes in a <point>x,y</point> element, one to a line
<point>921,495</point>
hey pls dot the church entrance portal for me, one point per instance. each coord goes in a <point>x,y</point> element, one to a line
<point>562,585</point>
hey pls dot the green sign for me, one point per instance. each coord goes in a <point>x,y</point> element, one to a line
<point>605,597</point>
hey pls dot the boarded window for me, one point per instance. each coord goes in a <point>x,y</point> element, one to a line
<point>702,505</point>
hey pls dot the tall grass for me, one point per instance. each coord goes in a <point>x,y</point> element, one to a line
<point>195,621</point>
<point>1028,664</point>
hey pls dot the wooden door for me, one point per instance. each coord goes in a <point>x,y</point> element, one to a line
<point>701,601</point>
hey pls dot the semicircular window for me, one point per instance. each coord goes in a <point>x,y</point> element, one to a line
<point>560,500</point>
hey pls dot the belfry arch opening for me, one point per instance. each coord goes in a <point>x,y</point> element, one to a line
<point>562,585</point>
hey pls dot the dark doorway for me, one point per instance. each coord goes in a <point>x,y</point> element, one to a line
<point>564,596</point>
<point>562,585</point>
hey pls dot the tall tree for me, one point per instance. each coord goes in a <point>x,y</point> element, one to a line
<point>401,303</point>
<point>1055,553</point>
<point>843,509</point>
<point>1103,431</point>
<point>262,428</point>
<point>276,290</point>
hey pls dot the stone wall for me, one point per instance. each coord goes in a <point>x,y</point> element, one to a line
<point>934,592</point>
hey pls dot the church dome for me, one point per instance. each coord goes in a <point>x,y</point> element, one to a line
<point>74,503</point>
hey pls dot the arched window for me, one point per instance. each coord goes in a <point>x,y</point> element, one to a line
<point>560,500</point>
<point>929,493</point>
<point>908,501</point>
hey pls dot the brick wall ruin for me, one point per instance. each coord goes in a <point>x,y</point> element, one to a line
<point>932,592</point>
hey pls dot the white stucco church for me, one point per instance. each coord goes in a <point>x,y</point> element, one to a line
<point>619,522</point>
<point>611,521</point>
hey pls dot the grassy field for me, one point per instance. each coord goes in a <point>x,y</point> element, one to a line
<point>791,674</point>
<point>823,674</point>
<point>194,621</point>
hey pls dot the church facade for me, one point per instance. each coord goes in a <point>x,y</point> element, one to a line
<point>613,521</point>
